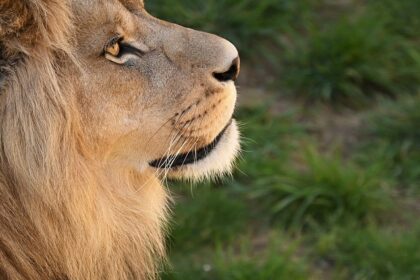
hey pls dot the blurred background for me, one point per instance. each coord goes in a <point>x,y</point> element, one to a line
<point>328,185</point>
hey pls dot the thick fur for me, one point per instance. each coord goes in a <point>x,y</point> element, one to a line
<point>77,197</point>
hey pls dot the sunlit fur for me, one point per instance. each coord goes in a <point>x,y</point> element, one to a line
<point>77,197</point>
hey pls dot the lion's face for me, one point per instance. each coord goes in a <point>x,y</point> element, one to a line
<point>155,95</point>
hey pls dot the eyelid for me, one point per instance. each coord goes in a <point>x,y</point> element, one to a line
<point>138,45</point>
<point>132,46</point>
<point>117,38</point>
<point>128,48</point>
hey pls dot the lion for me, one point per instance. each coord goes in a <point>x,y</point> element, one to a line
<point>100,102</point>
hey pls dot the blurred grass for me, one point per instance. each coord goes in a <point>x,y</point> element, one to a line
<point>278,133</point>
<point>323,191</point>
<point>395,134</point>
<point>355,204</point>
<point>350,62</point>
<point>372,253</point>
<point>402,16</point>
<point>196,225</point>
<point>277,262</point>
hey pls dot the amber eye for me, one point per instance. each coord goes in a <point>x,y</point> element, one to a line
<point>119,51</point>
<point>113,48</point>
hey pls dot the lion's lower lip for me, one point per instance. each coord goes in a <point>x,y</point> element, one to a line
<point>189,157</point>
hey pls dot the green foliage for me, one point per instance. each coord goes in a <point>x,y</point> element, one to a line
<point>396,139</point>
<point>323,191</point>
<point>208,217</point>
<point>372,253</point>
<point>402,16</point>
<point>349,62</point>
<point>227,265</point>
<point>398,123</point>
<point>268,141</point>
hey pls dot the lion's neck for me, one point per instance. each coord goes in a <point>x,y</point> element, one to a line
<point>106,225</point>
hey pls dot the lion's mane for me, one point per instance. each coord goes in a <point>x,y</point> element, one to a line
<point>62,216</point>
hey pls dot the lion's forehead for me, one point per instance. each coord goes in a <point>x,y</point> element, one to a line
<point>93,5</point>
<point>97,21</point>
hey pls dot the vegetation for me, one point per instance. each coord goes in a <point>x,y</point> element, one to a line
<point>349,62</point>
<point>229,265</point>
<point>323,191</point>
<point>396,140</point>
<point>326,191</point>
<point>372,253</point>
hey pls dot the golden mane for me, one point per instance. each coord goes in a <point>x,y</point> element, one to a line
<point>62,215</point>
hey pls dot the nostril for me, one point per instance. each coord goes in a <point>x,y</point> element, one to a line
<point>231,74</point>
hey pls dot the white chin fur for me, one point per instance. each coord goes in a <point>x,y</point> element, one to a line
<point>219,162</point>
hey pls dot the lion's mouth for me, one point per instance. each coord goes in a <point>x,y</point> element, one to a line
<point>190,157</point>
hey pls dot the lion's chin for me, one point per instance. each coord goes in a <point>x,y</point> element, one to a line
<point>217,161</point>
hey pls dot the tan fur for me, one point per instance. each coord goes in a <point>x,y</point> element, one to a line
<point>78,199</point>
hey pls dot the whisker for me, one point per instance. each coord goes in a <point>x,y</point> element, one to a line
<point>173,160</point>
<point>157,131</point>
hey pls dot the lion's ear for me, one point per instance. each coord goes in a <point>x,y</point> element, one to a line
<point>29,25</point>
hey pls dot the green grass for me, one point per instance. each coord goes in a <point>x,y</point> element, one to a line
<point>323,191</point>
<point>350,62</point>
<point>398,123</point>
<point>372,253</point>
<point>267,142</point>
<point>202,217</point>
<point>402,16</point>
<point>278,262</point>
<point>396,140</point>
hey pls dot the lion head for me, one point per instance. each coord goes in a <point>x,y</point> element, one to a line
<point>154,94</point>
<point>99,102</point>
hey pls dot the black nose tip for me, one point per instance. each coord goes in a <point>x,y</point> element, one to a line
<point>231,74</point>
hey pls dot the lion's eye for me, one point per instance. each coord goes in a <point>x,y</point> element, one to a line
<point>119,51</point>
<point>113,49</point>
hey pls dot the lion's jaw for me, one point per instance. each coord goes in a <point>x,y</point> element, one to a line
<point>212,160</point>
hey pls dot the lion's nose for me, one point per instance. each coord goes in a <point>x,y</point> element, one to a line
<point>231,74</point>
